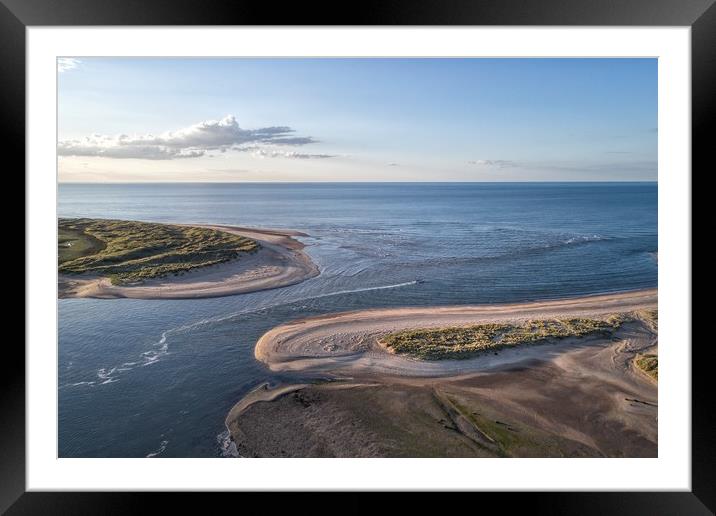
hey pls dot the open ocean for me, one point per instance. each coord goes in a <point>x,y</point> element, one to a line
<point>144,378</point>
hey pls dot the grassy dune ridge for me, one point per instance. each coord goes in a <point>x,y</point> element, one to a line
<point>129,251</point>
<point>467,341</point>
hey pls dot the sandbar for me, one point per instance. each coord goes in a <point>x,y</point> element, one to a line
<point>351,340</point>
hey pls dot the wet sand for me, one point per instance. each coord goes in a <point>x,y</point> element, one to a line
<point>278,263</point>
<point>576,397</point>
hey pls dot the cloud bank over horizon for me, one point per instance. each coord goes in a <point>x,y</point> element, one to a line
<point>192,142</point>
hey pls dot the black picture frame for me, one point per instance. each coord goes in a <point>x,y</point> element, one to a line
<point>700,15</point>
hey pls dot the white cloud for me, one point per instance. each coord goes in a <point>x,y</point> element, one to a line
<point>263,152</point>
<point>65,64</point>
<point>493,163</point>
<point>190,142</point>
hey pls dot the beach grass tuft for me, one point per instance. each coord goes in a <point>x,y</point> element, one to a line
<point>649,364</point>
<point>651,317</point>
<point>130,252</point>
<point>467,341</point>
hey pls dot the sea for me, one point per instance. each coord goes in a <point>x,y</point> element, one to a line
<point>156,378</point>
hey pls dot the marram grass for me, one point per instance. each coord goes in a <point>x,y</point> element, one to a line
<point>130,252</point>
<point>648,364</point>
<point>467,341</point>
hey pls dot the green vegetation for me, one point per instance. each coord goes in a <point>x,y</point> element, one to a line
<point>510,439</point>
<point>129,252</point>
<point>504,436</point>
<point>467,341</point>
<point>72,244</point>
<point>649,364</point>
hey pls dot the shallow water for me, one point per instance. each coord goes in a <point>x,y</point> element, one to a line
<point>139,377</point>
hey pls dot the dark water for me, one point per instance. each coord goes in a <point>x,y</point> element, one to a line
<point>158,377</point>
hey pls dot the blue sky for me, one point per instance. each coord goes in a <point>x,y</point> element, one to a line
<point>206,119</point>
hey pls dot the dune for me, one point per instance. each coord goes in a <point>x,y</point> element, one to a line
<point>279,262</point>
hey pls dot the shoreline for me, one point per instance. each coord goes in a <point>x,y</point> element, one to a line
<point>280,262</point>
<point>579,397</point>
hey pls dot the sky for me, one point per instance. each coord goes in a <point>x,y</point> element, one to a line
<point>259,119</point>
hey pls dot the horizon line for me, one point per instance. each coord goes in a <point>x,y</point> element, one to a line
<point>350,182</point>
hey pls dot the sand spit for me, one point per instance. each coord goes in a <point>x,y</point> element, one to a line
<point>350,340</point>
<point>575,398</point>
<point>280,262</point>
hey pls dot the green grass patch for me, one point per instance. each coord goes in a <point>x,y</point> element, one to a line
<point>130,252</point>
<point>467,341</point>
<point>500,433</point>
<point>72,244</point>
<point>649,364</point>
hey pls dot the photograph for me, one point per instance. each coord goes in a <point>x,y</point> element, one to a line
<point>389,257</point>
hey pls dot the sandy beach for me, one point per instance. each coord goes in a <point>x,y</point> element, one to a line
<point>351,340</point>
<point>575,397</point>
<point>279,262</point>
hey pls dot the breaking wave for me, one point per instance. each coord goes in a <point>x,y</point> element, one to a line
<point>162,447</point>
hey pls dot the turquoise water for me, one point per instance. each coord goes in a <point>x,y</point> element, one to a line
<point>157,378</point>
